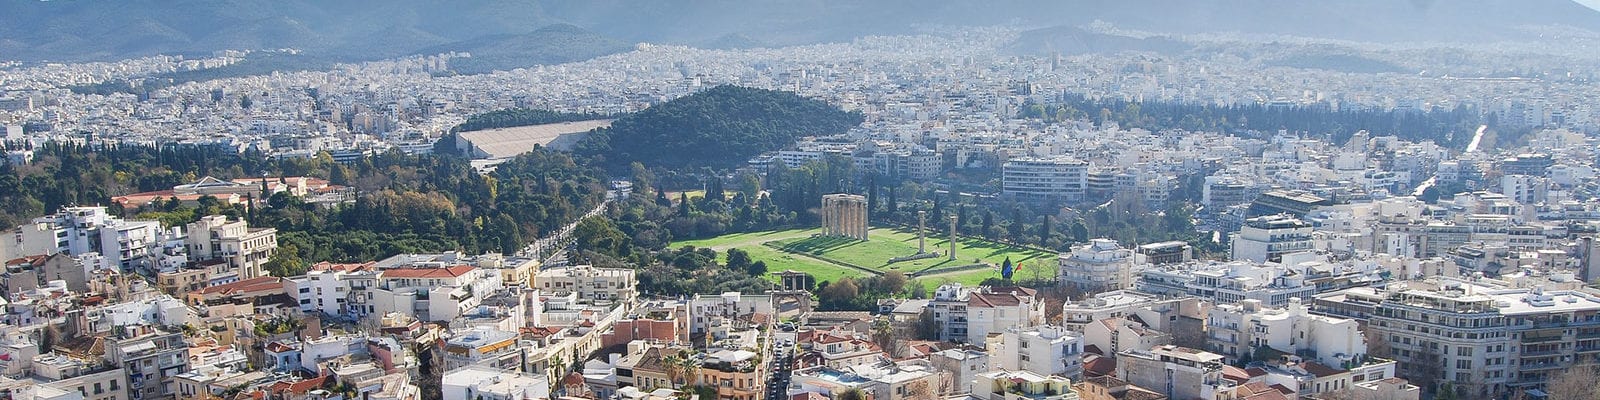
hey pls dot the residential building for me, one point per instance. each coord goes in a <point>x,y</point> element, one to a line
<point>1236,330</point>
<point>600,286</point>
<point>1099,266</point>
<point>1490,341</point>
<point>1111,388</point>
<point>241,250</point>
<point>483,347</point>
<point>1043,349</point>
<point>1176,372</point>
<point>433,293</point>
<point>151,361</point>
<point>1022,385</point>
<point>483,383</point>
<point>1268,238</point>
<point>1045,178</point>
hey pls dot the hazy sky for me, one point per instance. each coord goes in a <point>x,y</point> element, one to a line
<point>1595,4</point>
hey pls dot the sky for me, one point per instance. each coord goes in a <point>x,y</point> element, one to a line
<point>1595,4</point>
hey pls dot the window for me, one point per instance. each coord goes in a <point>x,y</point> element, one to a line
<point>1463,364</point>
<point>114,386</point>
<point>98,389</point>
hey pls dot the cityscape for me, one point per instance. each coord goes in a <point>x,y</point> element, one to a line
<point>812,201</point>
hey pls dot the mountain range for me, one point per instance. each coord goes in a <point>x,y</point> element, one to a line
<point>509,33</point>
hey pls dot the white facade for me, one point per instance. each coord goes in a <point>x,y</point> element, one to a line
<point>1041,178</point>
<point>1268,238</point>
<point>475,383</point>
<point>1235,329</point>
<point>1098,266</point>
<point>1044,349</point>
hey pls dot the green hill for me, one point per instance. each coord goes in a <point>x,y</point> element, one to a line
<point>721,127</point>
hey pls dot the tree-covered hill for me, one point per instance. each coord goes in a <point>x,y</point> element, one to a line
<point>720,127</point>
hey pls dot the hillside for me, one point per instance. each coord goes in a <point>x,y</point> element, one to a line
<point>721,127</point>
<point>555,44</point>
<point>365,29</point>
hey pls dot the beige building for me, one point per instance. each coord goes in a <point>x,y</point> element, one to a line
<point>600,286</point>
<point>242,248</point>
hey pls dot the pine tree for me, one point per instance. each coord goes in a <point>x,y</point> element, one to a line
<point>1044,230</point>
<point>683,204</point>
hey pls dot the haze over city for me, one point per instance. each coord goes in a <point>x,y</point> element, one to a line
<point>798,200</point>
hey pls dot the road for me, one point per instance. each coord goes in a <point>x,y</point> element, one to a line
<point>1476,139</point>
<point>545,248</point>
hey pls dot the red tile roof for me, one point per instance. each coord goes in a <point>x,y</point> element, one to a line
<point>449,272</point>
<point>259,283</point>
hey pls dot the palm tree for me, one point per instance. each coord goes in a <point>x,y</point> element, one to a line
<point>674,369</point>
<point>690,367</point>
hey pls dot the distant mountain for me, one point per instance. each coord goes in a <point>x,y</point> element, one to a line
<point>349,29</point>
<point>72,30</point>
<point>1068,40</point>
<point>553,44</point>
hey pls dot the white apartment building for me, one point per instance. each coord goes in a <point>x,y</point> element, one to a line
<point>433,294</point>
<point>1234,330</point>
<point>483,383</point>
<point>1269,237</point>
<point>600,286</point>
<point>1045,178</point>
<point>1490,341</point>
<point>1022,385</point>
<point>708,311</point>
<point>1098,266</point>
<point>124,244</point>
<point>970,316</point>
<point>1230,282</point>
<point>1043,349</point>
<point>337,289</point>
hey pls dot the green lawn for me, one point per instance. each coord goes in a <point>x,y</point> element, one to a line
<point>745,240</point>
<point>873,254</point>
<point>778,261</point>
<point>886,243</point>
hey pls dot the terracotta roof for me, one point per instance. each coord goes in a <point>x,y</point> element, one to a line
<point>30,260</point>
<point>279,347</point>
<point>449,272</point>
<point>298,387</point>
<point>327,266</point>
<point>573,379</point>
<point>1100,366</point>
<point>993,300</point>
<point>808,396</point>
<point>248,285</point>
<point>1235,374</point>
<point>1093,349</point>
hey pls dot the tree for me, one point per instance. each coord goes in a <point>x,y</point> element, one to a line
<point>1577,382</point>
<point>988,223</point>
<point>758,268</point>
<point>714,190</point>
<point>839,295</point>
<point>883,336</point>
<point>894,200</point>
<point>1044,230</point>
<point>738,260</point>
<point>285,262</point>
<point>1079,232</point>
<point>1430,195</point>
<point>852,394</point>
<point>683,204</point>
<point>1015,228</point>
<point>245,102</point>
<point>893,282</point>
<point>642,178</point>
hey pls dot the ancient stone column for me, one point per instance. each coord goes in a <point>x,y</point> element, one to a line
<point>952,237</point>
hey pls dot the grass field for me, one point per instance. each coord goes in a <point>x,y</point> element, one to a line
<point>884,243</point>
<point>800,251</point>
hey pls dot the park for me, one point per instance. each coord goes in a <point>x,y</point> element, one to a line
<point>828,258</point>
